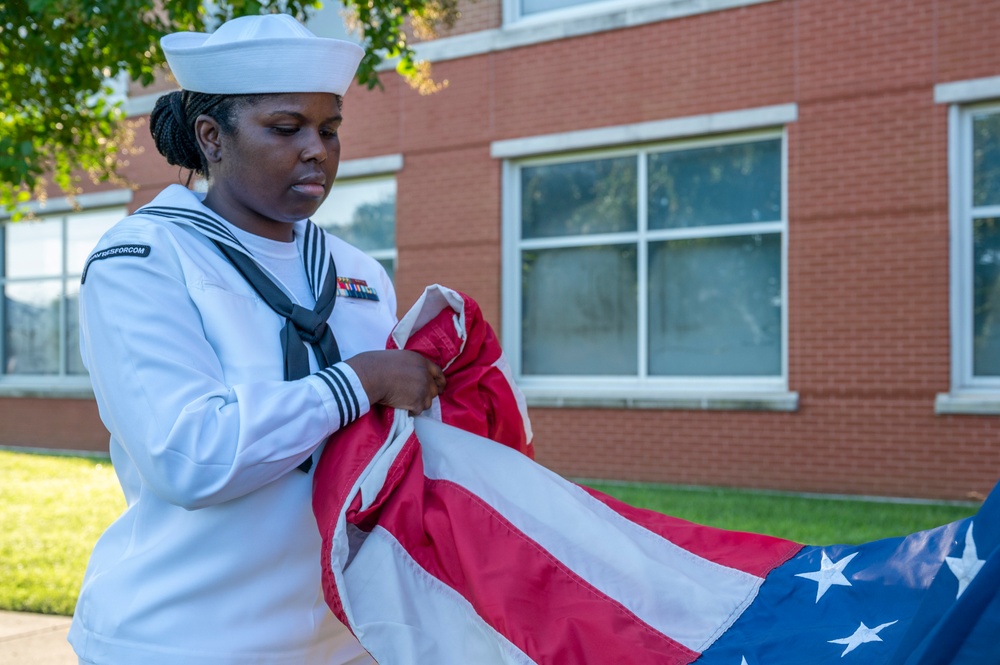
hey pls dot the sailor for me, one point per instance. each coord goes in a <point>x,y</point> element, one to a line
<point>227,337</point>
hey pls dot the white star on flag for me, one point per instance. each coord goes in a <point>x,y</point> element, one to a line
<point>829,573</point>
<point>966,567</point>
<point>861,635</point>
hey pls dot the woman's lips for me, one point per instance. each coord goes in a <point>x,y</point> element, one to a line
<point>311,189</point>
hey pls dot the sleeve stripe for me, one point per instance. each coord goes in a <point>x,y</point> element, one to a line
<point>345,389</point>
<point>350,390</point>
<point>336,395</point>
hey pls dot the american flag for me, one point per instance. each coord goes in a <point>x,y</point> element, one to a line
<point>445,543</point>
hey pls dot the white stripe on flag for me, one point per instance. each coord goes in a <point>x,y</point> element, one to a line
<point>387,600</point>
<point>688,598</point>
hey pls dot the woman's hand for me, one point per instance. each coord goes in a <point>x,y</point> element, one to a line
<point>399,379</point>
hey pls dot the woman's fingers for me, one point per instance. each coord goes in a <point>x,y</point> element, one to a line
<point>399,379</point>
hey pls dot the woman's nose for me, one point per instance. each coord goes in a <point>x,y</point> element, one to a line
<point>314,148</point>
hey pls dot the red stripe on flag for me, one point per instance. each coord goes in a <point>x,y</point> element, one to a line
<point>751,553</point>
<point>520,589</point>
<point>343,460</point>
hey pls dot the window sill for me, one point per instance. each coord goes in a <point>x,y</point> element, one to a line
<point>46,388</point>
<point>714,401</point>
<point>967,403</point>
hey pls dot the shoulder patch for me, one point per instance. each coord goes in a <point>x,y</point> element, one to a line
<point>349,287</point>
<point>141,251</point>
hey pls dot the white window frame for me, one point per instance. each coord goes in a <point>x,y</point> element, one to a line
<point>62,385</point>
<point>641,391</point>
<point>374,168</point>
<point>659,8</point>
<point>968,394</point>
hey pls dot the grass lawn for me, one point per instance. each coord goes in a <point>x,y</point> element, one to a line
<point>809,520</point>
<point>53,508</point>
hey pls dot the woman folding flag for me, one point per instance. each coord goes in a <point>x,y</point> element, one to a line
<point>445,543</point>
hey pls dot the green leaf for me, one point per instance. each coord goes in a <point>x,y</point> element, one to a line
<point>56,57</point>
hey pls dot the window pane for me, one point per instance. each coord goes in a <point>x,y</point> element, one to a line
<point>715,307</point>
<point>536,6</point>
<point>986,160</point>
<point>726,184</point>
<point>32,327</point>
<point>83,230</point>
<point>579,311</point>
<point>597,196</point>
<point>986,297</point>
<point>362,213</point>
<point>34,248</point>
<point>328,21</point>
<point>74,361</point>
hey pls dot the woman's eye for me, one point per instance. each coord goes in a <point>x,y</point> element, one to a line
<point>328,133</point>
<point>285,130</point>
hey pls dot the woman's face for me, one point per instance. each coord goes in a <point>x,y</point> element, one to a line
<point>279,164</point>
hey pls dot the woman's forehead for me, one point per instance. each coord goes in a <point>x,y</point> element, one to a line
<point>311,104</point>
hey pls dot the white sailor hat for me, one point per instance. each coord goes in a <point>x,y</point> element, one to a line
<point>261,54</point>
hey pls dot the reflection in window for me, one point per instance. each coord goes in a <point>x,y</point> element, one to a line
<point>363,213</point>
<point>595,196</point>
<point>663,263</point>
<point>986,160</point>
<point>579,310</point>
<point>40,279</point>
<point>984,218</point>
<point>727,184</point>
<point>986,297</point>
<point>715,306</point>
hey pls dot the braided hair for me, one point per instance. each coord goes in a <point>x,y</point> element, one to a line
<point>172,124</point>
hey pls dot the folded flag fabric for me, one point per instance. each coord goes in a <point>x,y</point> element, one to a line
<point>445,543</point>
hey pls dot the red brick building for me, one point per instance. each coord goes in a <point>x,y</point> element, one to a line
<point>750,243</point>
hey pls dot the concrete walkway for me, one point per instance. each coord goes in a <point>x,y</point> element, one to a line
<point>34,639</point>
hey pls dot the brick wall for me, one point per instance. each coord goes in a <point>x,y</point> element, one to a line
<point>868,302</point>
<point>55,424</point>
<point>868,230</point>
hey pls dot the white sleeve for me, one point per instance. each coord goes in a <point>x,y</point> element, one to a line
<point>160,386</point>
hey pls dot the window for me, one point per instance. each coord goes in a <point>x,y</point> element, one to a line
<point>976,269</point>
<point>608,14</point>
<point>652,270</point>
<point>362,211</point>
<point>40,272</point>
<point>328,21</point>
<point>984,218</point>
<point>974,213</point>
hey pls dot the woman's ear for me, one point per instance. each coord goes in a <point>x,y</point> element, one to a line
<point>209,136</point>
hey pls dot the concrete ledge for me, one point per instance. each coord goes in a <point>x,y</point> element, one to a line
<point>47,392</point>
<point>781,401</point>
<point>964,92</point>
<point>981,404</point>
<point>656,130</point>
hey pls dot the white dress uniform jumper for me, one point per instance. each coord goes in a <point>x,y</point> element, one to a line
<point>214,561</point>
